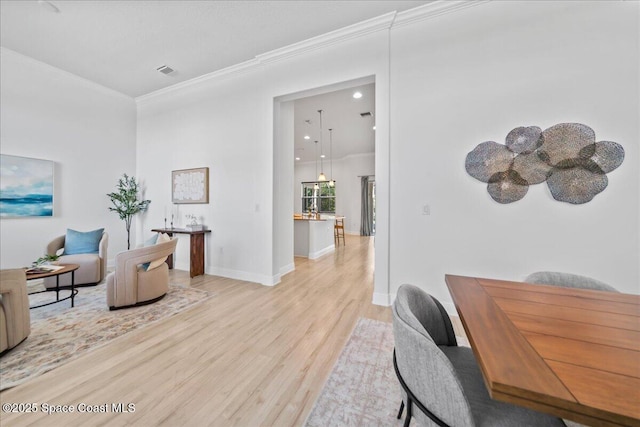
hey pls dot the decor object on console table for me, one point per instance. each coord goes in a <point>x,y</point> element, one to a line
<point>190,186</point>
<point>196,248</point>
<point>196,227</point>
<point>193,225</point>
<point>126,202</point>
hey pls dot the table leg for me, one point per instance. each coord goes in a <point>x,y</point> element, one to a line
<point>197,255</point>
<point>57,287</point>
<point>73,287</point>
<point>169,259</point>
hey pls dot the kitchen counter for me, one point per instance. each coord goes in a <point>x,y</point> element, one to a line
<point>312,237</point>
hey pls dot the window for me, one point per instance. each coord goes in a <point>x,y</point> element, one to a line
<point>322,199</point>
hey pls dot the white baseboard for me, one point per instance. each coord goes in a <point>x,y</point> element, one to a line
<point>243,275</point>
<point>239,275</point>
<point>287,269</point>
<point>272,281</point>
<point>318,254</point>
<point>382,299</point>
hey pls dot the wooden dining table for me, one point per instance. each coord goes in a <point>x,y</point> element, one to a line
<point>573,353</point>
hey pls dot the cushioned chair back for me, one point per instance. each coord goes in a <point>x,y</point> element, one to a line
<point>122,284</point>
<point>418,327</point>
<point>425,314</point>
<point>93,266</point>
<point>16,319</point>
<point>568,280</point>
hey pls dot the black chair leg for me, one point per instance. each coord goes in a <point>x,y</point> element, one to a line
<point>407,420</point>
<point>401,409</point>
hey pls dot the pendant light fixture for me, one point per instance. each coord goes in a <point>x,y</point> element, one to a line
<point>316,186</point>
<point>322,176</point>
<point>332,183</point>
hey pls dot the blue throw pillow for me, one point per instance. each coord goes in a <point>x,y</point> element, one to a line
<point>78,242</point>
<point>150,242</point>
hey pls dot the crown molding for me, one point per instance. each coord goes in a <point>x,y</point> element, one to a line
<point>434,10</point>
<point>383,22</point>
<point>234,69</point>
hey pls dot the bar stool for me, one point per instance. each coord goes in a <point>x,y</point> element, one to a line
<point>338,230</point>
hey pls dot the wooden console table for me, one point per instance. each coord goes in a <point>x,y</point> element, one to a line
<point>197,248</point>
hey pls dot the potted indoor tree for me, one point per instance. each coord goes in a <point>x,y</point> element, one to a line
<point>126,202</point>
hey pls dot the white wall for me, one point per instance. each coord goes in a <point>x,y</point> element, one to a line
<point>226,122</point>
<point>87,130</point>
<point>443,85</point>
<point>474,75</point>
<point>283,227</point>
<point>217,124</point>
<point>346,172</point>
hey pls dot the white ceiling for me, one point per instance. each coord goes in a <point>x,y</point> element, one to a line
<point>351,134</point>
<point>120,44</point>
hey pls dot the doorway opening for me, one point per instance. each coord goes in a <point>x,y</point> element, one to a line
<point>288,178</point>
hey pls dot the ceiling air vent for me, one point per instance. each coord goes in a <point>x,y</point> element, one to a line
<point>164,69</point>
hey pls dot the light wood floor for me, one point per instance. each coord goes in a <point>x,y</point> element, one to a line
<point>250,356</point>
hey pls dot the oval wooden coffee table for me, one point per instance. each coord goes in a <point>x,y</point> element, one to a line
<point>66,268</point>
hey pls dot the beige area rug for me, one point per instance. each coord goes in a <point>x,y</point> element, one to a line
<point>362,389</point>
<point>60,333</point>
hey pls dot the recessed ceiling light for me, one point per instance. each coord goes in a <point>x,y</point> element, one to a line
<point>322,156</point>
<point>357,95</point>
<point>297,158</point>
<point>49,6</point>
<point>307,137</point>
<point>374,128</point>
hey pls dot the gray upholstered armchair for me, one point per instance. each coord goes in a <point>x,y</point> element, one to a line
<point>441,379</point>
<point>132,284</point>
<point>93,267</point>
<point>15,320</point>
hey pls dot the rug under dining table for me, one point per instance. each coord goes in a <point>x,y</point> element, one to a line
<point>362,389</point>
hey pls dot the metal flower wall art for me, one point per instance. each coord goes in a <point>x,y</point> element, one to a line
<point>566,156</point>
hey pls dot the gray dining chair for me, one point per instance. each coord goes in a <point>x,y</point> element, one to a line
<point>441,379</point>
<point>568,280</point>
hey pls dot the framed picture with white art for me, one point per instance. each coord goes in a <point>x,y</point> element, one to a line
<point>190,186</point>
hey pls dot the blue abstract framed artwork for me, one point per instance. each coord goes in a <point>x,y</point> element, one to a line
<point>26,187</point>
